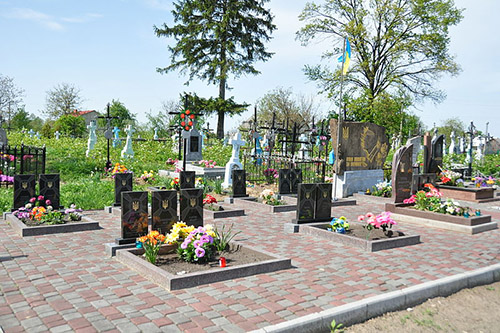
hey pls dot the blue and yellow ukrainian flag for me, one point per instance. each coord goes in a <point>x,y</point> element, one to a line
<point>346,57</point>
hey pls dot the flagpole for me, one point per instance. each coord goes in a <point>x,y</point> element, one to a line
<point>339,125</point>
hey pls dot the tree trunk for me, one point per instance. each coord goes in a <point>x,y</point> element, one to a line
<point>220,113</point>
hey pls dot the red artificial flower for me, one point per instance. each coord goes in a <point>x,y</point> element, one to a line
<point>188,112</point>
<point>183,123</point>
<point>187,128</point>
<point>190,123</point>
<point>445,179</point>
<point>191,116</point>
<point>183,115</point>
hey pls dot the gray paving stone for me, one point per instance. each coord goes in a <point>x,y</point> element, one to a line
<point>61,329</point>
<point>178,318</point>
<point>148,327</point>
<point>102,325</point>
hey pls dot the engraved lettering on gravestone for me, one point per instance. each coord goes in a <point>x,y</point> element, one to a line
<point>164,204</point>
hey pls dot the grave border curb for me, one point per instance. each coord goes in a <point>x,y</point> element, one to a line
<point>23,230</point>
<point>360,311</point>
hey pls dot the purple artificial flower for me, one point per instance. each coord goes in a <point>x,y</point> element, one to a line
<point>185,244</point>
<point>199,252</point>
<point>198,243</point>
<point>204,239</point>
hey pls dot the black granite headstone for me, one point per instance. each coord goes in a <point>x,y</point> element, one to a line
<point>123,183</point>
<point>134,216</point>
<point>284,186</point>
<point>164,210</point>
<point>295,180</point>
<point>306,203</point>
<point>323,201</point>
<point>437,145</point>
<point>186,179</point>
<point>239,183</point>
<point>191,202</point>
<point>49,188</point>
<point>402,173</point>
<point>24,189</point>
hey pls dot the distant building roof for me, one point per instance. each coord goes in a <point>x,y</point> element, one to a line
<point>77,113</point>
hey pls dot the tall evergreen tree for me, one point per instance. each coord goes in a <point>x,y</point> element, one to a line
<point>216,38</point>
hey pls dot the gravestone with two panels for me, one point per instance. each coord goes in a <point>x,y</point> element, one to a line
<point>164,210</point>
<point>191,204</point>
<point>295,180</point>
<point>314,203</point>
<point>306,202</point>
<point>323,202</point>
<point>134,216</point>
<point>123,183</point>
<point>24,189</point>
<point>50,189</point>
<point>186,179</point>
<point>239,184</point>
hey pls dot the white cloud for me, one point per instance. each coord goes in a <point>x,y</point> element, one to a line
<point>82,19</point>
<point>34,16</point>
<point>159,4</point>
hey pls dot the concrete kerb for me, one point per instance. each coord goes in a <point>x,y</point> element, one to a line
<point>363,310</point>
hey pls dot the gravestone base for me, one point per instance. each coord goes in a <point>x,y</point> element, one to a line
<point>111,248</point>
<point>291,228</point>
<point>231,199</point>
<point>354,181</point>
<point>122,241</point>
<point>302,221</point>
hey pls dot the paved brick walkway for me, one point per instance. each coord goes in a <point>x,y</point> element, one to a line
<point>65,282</point>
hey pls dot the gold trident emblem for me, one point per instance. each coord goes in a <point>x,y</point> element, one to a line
<point>50,184</point>
<point>124,182</point>
<point>345,133</point>
<point>308,195</point>
<point>164,204</point>
<point>24,185</point>
<point>135,205</point>
<point>192,202</point>
<point>325,194</point>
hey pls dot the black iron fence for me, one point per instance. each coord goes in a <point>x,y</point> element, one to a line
<point>20,160</point>
<point>263,168</point>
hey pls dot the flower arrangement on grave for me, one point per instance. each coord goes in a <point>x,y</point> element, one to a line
<point>38,211</point>
<point>209,203</point>
<point>268,197</point>
<point>6,179</point>
<point>484,181</point>
<point>148,177</point>
<point>382,189</point>
<point>451,178</point>
<point>198,246</point>
<point>382,221</point>
<point>119,168</point>
<point>429,199</point>
<point>174,183</point>
<point>151,243</point>
<point>339,225</point>
<point>270,174</point>
<point>171,161</point>
<point>179,231</point>
<point>207,164</point>
<point>186,119</point>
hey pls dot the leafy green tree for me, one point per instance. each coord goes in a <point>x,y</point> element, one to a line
<point>216,38</point>
<point>452,125</point>
<point>163,120</point>
<point>22,119</point>
<point>70,125</point>
<point>48,128</point>
<point>63,99</point>
<point>397,45</point>
<point>285,105</point>
<point>125,117</point>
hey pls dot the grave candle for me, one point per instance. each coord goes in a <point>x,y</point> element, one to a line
<point>222,262</point>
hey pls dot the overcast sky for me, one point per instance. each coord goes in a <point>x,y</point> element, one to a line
<point>109,51</point>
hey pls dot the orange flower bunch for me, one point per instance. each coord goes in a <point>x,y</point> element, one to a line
<point>151,244</point>
<point>37,213</point>
<point>119,168</point>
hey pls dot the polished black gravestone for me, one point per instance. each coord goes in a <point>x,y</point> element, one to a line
<point>402,173</point>
<point>123,183</point>
<point>50,189</point>
<point>306,203</point>
<point>295,180</point>
<point>437,147</point>
<point>134,218</point>
<point>284,185</point>
<point>239,183</point>
<point>164,210</point>
<point>186,179</point>
<point>191,202</point>
<point>323,202</point>
<point>24,189</point>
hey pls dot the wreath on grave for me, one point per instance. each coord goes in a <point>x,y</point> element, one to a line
<point>187,119</point>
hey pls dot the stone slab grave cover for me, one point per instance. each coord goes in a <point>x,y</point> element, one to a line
<point>24,189</point>
<point>123,182</point>
<point>187,179</point>
<point>164,210</point>
<point>191,203</point>
<point>134,217</point>
<point>437,148</point>
<point>239,184</point>
<point>402,173</point>
<point>50,189</point>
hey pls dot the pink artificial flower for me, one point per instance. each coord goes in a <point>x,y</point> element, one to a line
<point>361,218</point>
<point>40,197</point>
<point>48,202</point>
<point>32,200</point>
<point>369,215</point>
